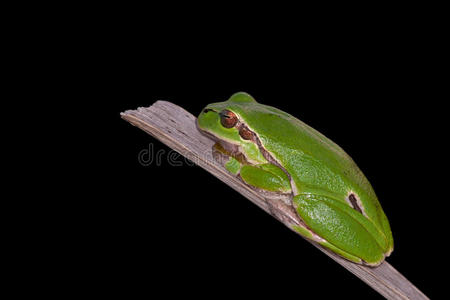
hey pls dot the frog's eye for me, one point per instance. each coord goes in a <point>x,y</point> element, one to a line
<point>228,119</point>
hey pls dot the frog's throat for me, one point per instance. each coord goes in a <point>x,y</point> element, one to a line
<point>231,150</point>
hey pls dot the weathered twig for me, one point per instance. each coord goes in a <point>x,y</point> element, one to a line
<point>176,128</point>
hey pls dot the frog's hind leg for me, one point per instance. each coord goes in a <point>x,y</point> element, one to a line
<point>343,229</point>
<point>266,177</point>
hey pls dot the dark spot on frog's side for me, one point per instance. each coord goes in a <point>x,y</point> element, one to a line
<point>354,203</point>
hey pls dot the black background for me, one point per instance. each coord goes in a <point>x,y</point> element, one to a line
<point>175,229</point>
<point>97,222</point>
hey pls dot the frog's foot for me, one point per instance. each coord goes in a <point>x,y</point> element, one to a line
<point>341,228</point>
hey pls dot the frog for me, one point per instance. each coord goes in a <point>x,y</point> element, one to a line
<point>275,153</point>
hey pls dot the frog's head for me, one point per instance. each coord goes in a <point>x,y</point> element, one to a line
<point>222,119</point>
<point>224,122</point>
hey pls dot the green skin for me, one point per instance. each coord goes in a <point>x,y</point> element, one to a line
<point>332,197</point>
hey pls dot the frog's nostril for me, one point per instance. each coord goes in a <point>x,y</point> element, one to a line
<point>206,110</point>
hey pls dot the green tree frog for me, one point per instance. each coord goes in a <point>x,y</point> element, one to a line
<point>275,153</point>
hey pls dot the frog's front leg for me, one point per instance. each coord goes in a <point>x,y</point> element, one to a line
<point>267,177</point>
<point>264,176</point>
